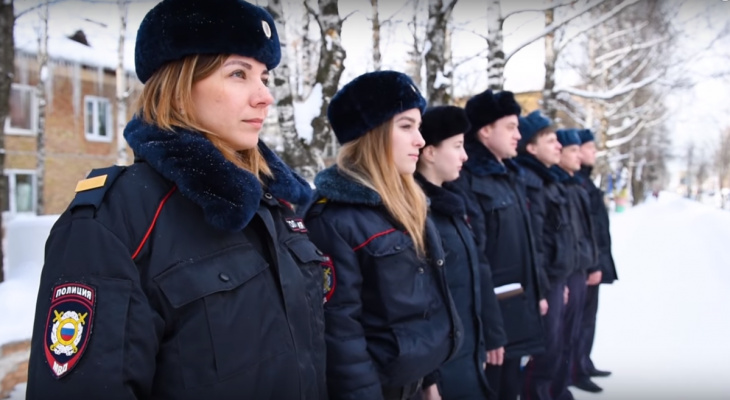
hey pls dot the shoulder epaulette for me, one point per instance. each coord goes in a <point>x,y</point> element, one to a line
<point>91,191</point>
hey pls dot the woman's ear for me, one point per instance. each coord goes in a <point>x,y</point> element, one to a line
<point>428,154</point>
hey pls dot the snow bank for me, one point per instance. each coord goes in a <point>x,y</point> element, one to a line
<point>663,328</point>
<point>24,249</point>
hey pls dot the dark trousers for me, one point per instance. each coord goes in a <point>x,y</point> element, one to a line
<point>542,368</point>
<point>506,379</point>
<point>572,324</point>
<point>582,363</point>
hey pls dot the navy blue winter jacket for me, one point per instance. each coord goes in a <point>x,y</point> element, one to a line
<point>195,286</point>
<point>554,240</point>
<point>389,318</point>
<point>470,283</point>
<point>601,227</point>
<point>503,230</point>
<point>581,221</point>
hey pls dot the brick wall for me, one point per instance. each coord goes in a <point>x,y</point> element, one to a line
<point>69,155</point>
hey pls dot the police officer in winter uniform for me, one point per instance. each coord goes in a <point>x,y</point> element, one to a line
<point>496,190</point>
<point>581,225</point>
<point>389,318</point>
<point>539,149</point>
<point>187,274</point>
<point>467,272</point>
<point>584,368</point>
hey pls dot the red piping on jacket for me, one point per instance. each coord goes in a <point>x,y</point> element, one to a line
<point>363,244</point>
<point>154,221</point>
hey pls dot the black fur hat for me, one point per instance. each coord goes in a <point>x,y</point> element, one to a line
<point>370,100</point>
<point>442,122</point>
<point>487,107</point>
<point>174,29</point>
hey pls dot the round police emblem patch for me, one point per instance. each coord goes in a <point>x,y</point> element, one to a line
<point>68,326</point>
<point>328,270</point>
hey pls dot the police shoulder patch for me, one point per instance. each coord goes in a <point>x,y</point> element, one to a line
<point>68,327</point>
<point>330,281</point>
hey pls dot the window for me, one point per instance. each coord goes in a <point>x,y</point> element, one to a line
<point>97,119</point>
<point>21,191</point>
<point>23,118</point>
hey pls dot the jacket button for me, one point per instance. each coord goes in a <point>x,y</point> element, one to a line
<point>397,248</point>
<point>224,277</point>
<point>457,334</point>
<point>268,196</point>
<point>440,262</point>
<point>420,270</point>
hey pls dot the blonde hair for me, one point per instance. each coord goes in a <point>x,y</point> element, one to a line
<point>369,161</point>
<point>167,102</point>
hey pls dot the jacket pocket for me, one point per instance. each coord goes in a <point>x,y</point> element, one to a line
<point>227,313</point>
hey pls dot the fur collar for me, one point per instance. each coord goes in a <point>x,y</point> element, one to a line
<point>443,199</point>
<point>483,163</point>
<point>564,176</point>
<point>335,186</point>
<point>228,195</point>
<point>533,164</point>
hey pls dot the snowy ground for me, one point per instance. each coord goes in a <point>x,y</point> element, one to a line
<point>663,329</point>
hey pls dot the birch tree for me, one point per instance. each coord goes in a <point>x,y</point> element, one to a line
<point>329,70</point>
<point>122,92</point>
<point>376,35</point>
<point>7,71</point>
<point>624,85</point>
<point>296,152</point>
<point>722,163</point>
<point>498,57</point>
<point>439,70</point>
<point>42,57</point>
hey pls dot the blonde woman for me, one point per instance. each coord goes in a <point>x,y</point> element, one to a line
<point>389,319</point>
<point>181,276</point>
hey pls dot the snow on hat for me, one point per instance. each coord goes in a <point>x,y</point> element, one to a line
<point>370,100</point>
<point>568,137</point>
<point>586,136</point>
<point>487,107</point>
<point>531,124</point>
<point>174,29</point>
<point>442,122</point>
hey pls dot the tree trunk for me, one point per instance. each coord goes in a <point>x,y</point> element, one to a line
<point>495,42</point>
<point>376,36</point>
<point>414,60</point>
<point>438,71</point>
<point>549,101</point>
<point>331,65</point>
<point>7,71</point>
<point>296,152</point>
<point>122,94</point>
<point>42,99</point>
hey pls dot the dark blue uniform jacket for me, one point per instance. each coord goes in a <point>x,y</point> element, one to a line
<point>389,318</point>
<point>601,227</point>
<point>554,240</point>
<point>503,232</point>
<point>202,289</point>
<point>580,221</point>
<point>470,283</point>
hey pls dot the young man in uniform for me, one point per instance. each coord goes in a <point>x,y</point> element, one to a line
<point>496,193</point>
<point>583,365</point>
<point>539,149</point>
<point>579,222</point>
